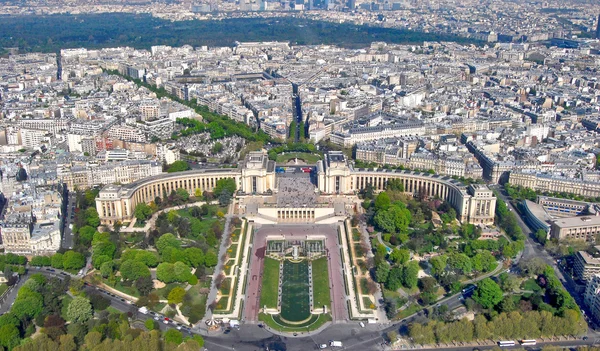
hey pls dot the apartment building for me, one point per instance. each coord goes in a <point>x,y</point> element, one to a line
<point>126,133</point>
<point>586,264</point>
<point>592,295</point>
<point>544,182</point>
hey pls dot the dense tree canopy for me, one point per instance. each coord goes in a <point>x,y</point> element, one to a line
<point>488,294</point>
<point>178,166</point>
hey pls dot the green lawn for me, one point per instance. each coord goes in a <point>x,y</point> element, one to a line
<point>269,321</point>
<point>355,234</point>
<point>222,304</point>
<point>139,224</point>
<point>113,310</point>
<point>270,283</point>
<point>307,157</point>
<point>368,303</point>
<point>164,292</point>
<point>321,294</point>
<point>3,288</point>
<point>235,235</point>
<point>295,298</point>
<point>362,265</point>
<point>225,286</point>
<point>411,309</point>
<point>364,285</point>
<point>232,251</point>
<point>531,285</point>
<point>129,290</point>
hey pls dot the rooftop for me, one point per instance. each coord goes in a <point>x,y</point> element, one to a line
<point>574,222</point>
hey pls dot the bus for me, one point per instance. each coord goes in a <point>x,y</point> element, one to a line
<point>528,342</point>
<point>506,343</point>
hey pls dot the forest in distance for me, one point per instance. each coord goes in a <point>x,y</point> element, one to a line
<point>38,33</point>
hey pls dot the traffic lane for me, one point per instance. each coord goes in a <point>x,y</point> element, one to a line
<point>67,239</point>
<point>563,344</point>
<point>125,307</point>
<point>10,297</point>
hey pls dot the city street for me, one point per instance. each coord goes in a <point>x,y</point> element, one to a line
<point>67,241</point>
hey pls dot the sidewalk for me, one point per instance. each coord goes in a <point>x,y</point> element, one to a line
<point>349,276</point>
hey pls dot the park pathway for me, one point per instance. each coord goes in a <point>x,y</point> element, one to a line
<point>212,295</point>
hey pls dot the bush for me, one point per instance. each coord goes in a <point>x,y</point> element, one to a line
<point>193,280</point>
<point>149,324</point>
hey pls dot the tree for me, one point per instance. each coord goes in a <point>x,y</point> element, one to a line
<point>194,256</point>
<point>385,221</point>
<point>167,240</point>
<point>399,256</point>
<point>390,307</point>
<point>401,215</point>
<point>73,260</point>
<point>142,211</point>
<point>382,201</point>
<point>67,343</point>
<point>86,234</point>
<point>79,310</point>
<point>91,217</point>
<point>106,269</point>
<point>484,262</point>
<point>182,271</point>
<point>382,272</point>
<point>533,267</point>
<point>199,339</point>
<point>508,282</point>
<point>488,294</point>
<point>507,304</point>
<point>392,336</point>
<point>217,148</point>
<point>165,272</point>
<point>410,275</point>
<point>173,336</point>
<point>225,185</point>
<point>395,185</point>
<point>99,302</point>
<point>183,194</point>
<point>27,307</point>
<point>9,336</point>
<point>178,166</point>
<point>438,264</point>
<point>57,261</point>
<point>93,339</point>
<point>144,285</point>
<point>460,263</point>
<point>149,324</point>
<point>394,280</point>
<point>132,270</point>
<point>427,284</point>
<point>541,236</point>
<point>210,259</point>
<point>176,295</point>
<point>41,261</point>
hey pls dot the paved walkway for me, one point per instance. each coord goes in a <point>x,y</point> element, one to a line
<point>237,278</point>
<point>212,295</point>
<point>363,275</point>
<point>349,276</point>
<point>378,295</point>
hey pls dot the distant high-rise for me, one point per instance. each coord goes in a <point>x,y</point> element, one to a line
<point>598,28</point>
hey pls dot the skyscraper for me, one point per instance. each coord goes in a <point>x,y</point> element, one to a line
<point>598,28</point>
